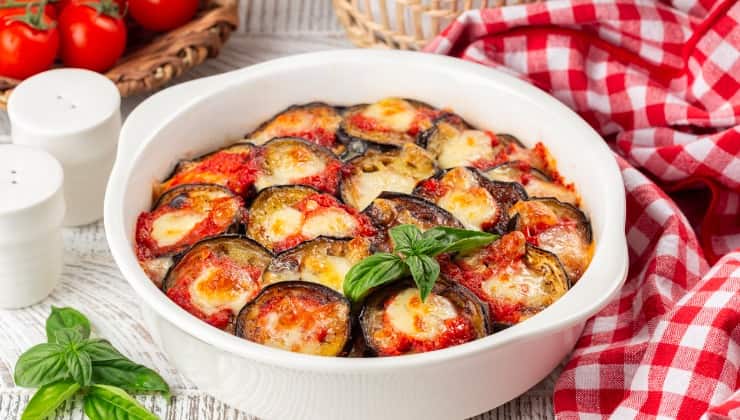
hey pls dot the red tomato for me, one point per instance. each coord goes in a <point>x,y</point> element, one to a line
<point>93,35</point>
<point>162,15</point>
<point>27,46</point>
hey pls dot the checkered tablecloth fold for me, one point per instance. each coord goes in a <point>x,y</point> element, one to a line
<point>661,82</point>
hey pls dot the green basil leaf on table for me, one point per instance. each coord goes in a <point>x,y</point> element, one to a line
<point>66,318</point>
<point>371,272</point>
<point>404,237</point>
<point>128,375</point>
<point>101,350</point>
<point>48,398</point>
<point>425,271</point>
<point>79,366</point>
<point>40,365</point>
<point>104,402</point>
<point>459,240</point>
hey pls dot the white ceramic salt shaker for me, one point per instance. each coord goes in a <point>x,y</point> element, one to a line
<point>74,115</point>
<point>31,213</point>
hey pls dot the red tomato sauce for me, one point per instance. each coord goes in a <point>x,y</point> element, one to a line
<point>433,188</point>
<point>318,135</point>
<point>306,312</point>
<point>236,171</point>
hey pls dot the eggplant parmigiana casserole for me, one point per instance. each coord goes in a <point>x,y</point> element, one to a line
<point>259,238</point>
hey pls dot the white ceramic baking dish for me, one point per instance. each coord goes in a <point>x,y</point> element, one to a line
<point>452,383</point>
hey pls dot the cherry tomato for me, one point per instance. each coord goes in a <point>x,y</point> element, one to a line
<point>162,15</point>
<point>28,45</point>
<point>93,35</point>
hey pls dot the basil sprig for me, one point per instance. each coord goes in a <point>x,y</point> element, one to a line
<point>71,363</point>
<point>414,253</point>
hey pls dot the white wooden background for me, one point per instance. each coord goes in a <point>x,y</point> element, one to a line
<point>91,281</point>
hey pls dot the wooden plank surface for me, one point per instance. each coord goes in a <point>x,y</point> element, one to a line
<point>91,281</point>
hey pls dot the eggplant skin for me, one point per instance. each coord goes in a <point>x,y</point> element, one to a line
<point>397,170</point>
<point>558,227</point>
<point>350,131</point>
<point>190,171</point>
<point>323,260</point>
<point>316,122</point>
<point>376,322</point>
<point>393,209</point>
<point>309,304</point>
<point>535,182</point>
<point>217,268</point>
<point>295,161</point>
<point>468,195</point>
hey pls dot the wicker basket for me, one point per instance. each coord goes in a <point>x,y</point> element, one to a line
<point>151,60</point>
<point>403,24</point>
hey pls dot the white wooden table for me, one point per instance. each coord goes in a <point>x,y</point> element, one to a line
<point>92,283</point>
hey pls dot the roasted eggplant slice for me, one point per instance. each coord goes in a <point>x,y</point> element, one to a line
<point>315,122</point>
<point>453,143</point>
<point>216,277</point>
<point>395,321</point>
<point>285,216</point>
<point>323,260</point>
<point>393,170</point>
<point>300,317</point>
<point>393,209</point>
<point>534,181</point>
<point>183,216</point>
<point>234,167</point>
<point>556,227</point>
<point>389,122</point>
<point>475,200</point>
<point>516,279</point>
<point>294,161</point>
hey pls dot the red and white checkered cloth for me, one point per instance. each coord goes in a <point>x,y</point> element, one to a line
<point>661,82</point>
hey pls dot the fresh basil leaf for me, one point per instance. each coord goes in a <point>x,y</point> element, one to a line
<point>128,375</point>
<point>68,336</point>
<point>371,272</point>
<point>404,237</point>
<point>458,240</point>
<point>40,365</point>
<point>61,318</point>
<point>79,366</point>
<point>428,246</point>
<point>425,271</point>
<point>105,402</point>
<point>48,398</point>
<point>101,350</point>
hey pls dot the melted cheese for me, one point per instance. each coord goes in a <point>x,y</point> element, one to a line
<point>329,222</point>
<point>328,270</point>
<point>283,223</point>
<point>567,243</point>
<point>297,330</point>
<point>517,283</point>
<point>420,320</point>
<point>288,164</point>
<point>294,121</point>
<point>539,188</point>
<point>464,149</point>
<point>214,290</point>
<point>368,185</point>
<point>169,228</point>
<point>393,113</point>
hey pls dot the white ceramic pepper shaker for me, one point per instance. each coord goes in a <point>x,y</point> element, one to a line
<point>31,213</point>
<point>74,115</point>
